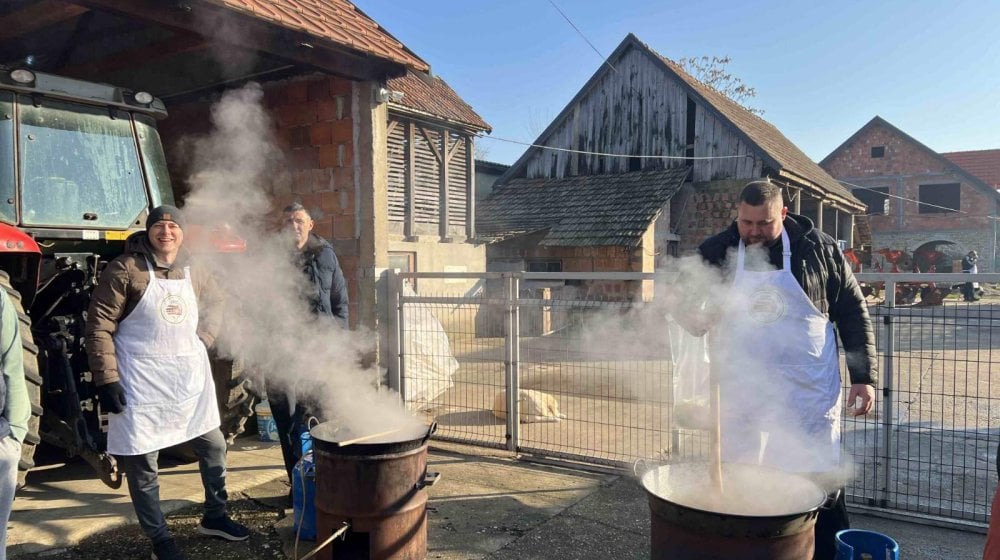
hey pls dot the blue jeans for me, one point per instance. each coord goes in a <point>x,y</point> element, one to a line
<point>10,455</point>
<point>142,475</point>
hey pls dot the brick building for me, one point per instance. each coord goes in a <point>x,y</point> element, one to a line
<point>641,113</point>
<point>917,198</point>
<point>328,72</point>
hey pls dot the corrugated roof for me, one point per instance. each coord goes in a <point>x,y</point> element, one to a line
<point>335,20</point>
<point>760,132</point>
<point>984,164</point>
<point>581,211</point>
<point>431,95</point>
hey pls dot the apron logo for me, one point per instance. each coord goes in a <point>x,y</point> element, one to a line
<point>767,306</point>
<point>173,309</point>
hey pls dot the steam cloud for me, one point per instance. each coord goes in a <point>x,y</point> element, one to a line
<point>268,327</point>
<point>672,326</point>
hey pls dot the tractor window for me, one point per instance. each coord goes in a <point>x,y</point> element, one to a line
<point>79,166</point>
<point>154,160</point>
<point>7,212</point>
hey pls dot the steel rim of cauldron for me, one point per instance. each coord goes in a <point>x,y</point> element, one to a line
<point>823,497</point>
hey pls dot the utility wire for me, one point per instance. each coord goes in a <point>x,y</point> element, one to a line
<point>585,152</point>
<point>573,25</point>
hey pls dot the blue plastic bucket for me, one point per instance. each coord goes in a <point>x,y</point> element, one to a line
<point>304,497</point>
<point>852,543</point>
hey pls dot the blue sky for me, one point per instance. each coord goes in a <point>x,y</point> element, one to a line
<point>821,70</point>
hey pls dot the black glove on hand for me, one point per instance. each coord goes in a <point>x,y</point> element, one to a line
<point>112,397</point>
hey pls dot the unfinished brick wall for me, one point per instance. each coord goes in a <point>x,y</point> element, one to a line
<point>314,129</point>
<point>703,210</point>
<point>903,168</point>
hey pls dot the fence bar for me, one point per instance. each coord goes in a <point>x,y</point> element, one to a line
<point>394,331</point>
<point>888,410</point>
<point>511,363</point>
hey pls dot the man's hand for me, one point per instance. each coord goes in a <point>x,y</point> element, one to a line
<point>112,397</point>
<point>866,393</point>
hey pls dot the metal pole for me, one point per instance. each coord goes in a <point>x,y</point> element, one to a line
<point>394,287</point>
<point>401,338</point>
<point>888,410</point>
<point>511,363</point>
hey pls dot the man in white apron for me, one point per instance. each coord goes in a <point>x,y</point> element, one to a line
<point>774,347</point>
<point>149,361</point>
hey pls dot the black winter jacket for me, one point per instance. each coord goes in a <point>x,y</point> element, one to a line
<point>819,267</point>
<point>328,289</point>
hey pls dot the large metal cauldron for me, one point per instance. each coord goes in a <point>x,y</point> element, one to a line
<point>762,514</point>
<point>377,487</point>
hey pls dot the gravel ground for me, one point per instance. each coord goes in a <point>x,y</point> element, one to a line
<point>259,513</point>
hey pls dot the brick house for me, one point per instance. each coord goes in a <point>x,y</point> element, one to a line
<point>321,66</point>
<point>917,198</point>
<point>642,113</point>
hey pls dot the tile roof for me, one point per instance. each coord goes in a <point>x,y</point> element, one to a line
<point>338,21</point>
<point>431,95</point>
<point>984,164</point>
<point>760,132</point>
<point>581,211</point>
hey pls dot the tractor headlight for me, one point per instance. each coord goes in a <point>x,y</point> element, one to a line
<point>144,97</point>
<point>22,76</point>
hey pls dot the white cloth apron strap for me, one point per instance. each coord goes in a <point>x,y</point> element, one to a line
<point>779,372</point>
<point>164,370</point>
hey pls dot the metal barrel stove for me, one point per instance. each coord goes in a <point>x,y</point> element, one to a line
<point>377,486</point>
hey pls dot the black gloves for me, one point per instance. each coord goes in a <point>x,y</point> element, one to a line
<point>112,397</point>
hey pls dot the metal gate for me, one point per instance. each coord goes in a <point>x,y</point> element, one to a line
<point>594,357</point>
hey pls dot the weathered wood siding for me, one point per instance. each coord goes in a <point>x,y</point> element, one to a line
<point>428,149</point>
<point>639,109</point>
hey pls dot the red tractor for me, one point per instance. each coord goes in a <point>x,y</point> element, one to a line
<point>81,164</point>
<point>925,259</point>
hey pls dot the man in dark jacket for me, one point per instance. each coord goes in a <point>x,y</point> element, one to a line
<point>326,296</point>
<point>970,265</point>
<point>775,349</point>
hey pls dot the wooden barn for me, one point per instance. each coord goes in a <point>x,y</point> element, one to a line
<point>642,113</point>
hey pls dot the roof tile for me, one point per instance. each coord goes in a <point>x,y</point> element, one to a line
<point>582,211</point>
<point>431,95</point>
<point>984,164</point>
<point>338,21</point>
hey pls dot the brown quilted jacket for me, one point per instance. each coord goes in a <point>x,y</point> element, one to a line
<point>119,290</point>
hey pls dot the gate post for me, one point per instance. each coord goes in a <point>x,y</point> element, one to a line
<point>512,360</point>
<point>888,406</point>
<point>394,286</point>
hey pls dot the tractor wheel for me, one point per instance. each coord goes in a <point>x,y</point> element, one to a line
<point>236,399</point>
<point>32,378</point>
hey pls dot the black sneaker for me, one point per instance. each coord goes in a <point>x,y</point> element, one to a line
<point>223,527</point>
<point>167,550</point>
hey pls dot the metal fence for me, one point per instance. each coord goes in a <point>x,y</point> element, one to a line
<point>590,358</point>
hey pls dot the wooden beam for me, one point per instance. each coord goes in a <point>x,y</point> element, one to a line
<point>409,181</point>
<point>443,217</point>
<point>470,188</point>
<point>450,150</point>
<point>205,18</point>
<point>431,143</point>
<point>391,127</point>
<point>36,16</point>
<point>135,57</point>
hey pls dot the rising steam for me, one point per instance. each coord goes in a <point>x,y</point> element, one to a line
<point>268,328</point>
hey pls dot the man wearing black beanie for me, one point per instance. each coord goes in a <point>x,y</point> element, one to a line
<point>146,343</point>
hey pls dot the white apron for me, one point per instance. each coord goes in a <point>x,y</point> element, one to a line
<point>165,371</point>
<point>776,358</point>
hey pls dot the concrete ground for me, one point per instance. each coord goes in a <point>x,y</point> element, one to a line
<point>487,506</point>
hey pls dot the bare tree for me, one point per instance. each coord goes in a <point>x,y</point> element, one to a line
<point>713,71</point>
<point>480,151</point>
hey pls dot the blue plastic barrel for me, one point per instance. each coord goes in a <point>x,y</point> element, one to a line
<point>852,543</point>
<point>304,497</point>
